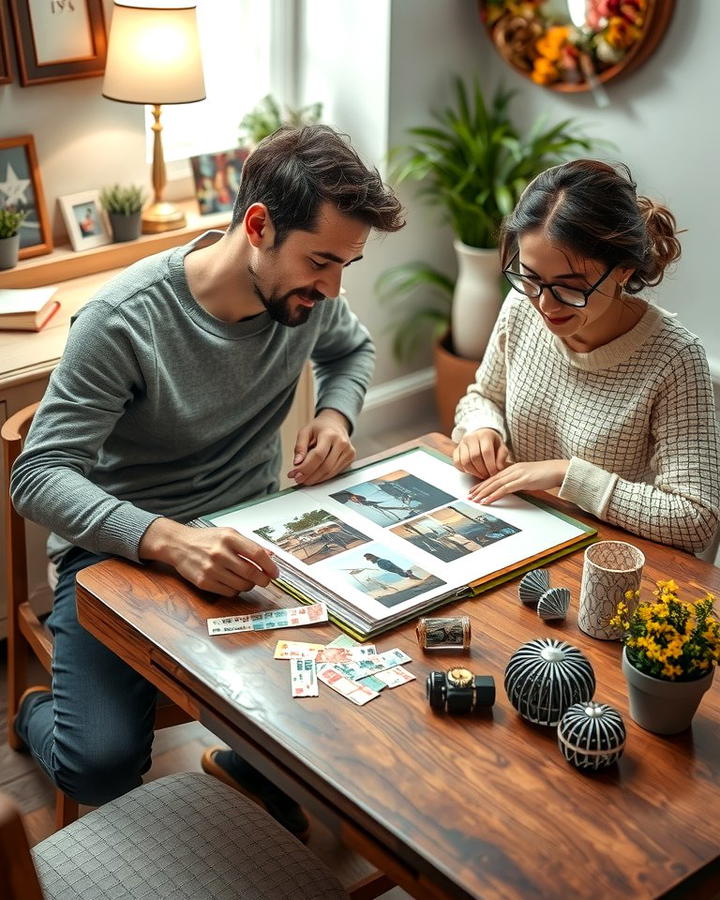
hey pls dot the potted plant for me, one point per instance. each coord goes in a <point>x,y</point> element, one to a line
<point>671,648</point>
<point>123,206</point>
<point>473,165</point>
<point>268,116</point>
<point>10,222</point>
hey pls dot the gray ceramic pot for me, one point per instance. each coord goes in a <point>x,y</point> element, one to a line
<point>9,249</point>
<point>663,707</point>
<point>125,228</point>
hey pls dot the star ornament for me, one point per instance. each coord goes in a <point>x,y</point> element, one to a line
<point>14,188</point>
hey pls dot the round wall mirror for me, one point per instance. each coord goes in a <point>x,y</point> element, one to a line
<point>573,45</point>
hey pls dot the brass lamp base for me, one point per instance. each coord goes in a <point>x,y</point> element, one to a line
<point>162,217</point>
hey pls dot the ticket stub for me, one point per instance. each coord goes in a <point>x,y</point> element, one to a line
<point>357,693</point>
<point>273,618</point>
<point>344,654</point>
<point>303,678</point>
<point>394,677</point>
<point>296,650</point>
<point>373,664</point>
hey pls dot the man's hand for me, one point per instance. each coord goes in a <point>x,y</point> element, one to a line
<point>215,559</point>
<point>322,448</point>
<point>528,476</point>
<point>481,453</point>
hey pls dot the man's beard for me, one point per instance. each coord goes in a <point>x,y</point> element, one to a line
<point>280,308</point>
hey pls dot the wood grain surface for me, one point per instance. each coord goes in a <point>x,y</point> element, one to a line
<point>474,806</point>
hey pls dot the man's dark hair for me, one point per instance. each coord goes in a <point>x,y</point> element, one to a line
<point>295,170</point>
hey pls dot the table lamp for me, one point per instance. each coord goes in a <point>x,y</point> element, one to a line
<point>154,58</point>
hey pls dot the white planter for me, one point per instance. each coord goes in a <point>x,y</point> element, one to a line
<point>476,301</point>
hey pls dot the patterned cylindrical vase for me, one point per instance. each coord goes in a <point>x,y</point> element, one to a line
<point>611,569</point>
<point>546,676</point>
<point>591,735</point>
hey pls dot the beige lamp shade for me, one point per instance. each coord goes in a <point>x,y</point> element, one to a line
<point>153,56</point>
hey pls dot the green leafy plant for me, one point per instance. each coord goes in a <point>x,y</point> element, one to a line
<point>10,221</point>
<point>268,116</point>
<point>473,165</point>
<point>125,201</point>
<point>670,638</point>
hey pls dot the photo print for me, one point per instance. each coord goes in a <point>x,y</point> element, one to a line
<point>454,531</point>
<point>384,574</point>
<point>392,498</point>
<point>313,536</point>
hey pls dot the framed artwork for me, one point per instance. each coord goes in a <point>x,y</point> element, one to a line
<point>5,70</point>
<point>20,187</point>
<point>85,220</point>
<point>217,178</point>
<point>58,40</point>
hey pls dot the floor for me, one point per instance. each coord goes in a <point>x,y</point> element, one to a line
<point>177,749</point>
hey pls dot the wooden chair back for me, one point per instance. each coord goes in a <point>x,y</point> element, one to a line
<point>19,876</point>
<point>26,633</point>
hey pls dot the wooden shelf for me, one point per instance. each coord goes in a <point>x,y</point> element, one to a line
<point>63,263</point>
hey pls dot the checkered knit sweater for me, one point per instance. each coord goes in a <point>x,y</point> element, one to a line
<point>635,418</point>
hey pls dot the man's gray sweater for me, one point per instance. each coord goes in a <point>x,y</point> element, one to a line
<point>158,408</point>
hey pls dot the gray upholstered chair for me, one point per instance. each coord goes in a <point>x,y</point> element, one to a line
<point>185,837</point>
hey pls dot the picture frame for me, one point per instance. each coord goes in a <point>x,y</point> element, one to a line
<point>85,219</point>
<point>5,70</point>
<point>217,177</point>
<point>21,188</point>
<point>59,40</point>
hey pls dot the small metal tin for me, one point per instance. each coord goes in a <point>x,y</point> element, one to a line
<point>444,633</point>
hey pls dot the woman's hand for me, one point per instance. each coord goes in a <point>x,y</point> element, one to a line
<point>481,453</point>
<point>527,476</point>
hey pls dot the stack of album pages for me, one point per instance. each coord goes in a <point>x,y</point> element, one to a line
<point>390,541</point>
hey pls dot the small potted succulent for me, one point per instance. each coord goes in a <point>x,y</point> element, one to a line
<point>267,116</point>
<point>123,206</point>
<point>671,648</point>
<point>10,222</point>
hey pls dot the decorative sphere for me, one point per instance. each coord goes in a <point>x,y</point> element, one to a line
<point>546,676</point>
<point>591,735</point>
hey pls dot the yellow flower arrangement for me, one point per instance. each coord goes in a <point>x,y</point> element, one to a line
<point>670,638</point>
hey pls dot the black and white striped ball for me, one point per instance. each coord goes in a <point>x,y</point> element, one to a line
<point>545,677</point>
<point>591,735</point>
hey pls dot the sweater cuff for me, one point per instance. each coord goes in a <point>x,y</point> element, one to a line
<point>122,531</point>
<point>588,486</point>
<point>475,421</point>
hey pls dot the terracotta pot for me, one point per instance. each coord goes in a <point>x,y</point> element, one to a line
<point>453,374</point>
<point>663,707</point>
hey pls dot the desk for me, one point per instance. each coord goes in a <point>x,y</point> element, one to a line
<point>453,807</point>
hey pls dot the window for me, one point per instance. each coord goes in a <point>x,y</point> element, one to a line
<point>236,37</point>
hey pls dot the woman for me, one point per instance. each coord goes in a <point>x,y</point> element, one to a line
<point>585,386</point>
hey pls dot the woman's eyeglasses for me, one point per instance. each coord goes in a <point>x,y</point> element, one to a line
<point>532,287</point>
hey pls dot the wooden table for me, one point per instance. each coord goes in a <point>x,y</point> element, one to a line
<point>481,806</point>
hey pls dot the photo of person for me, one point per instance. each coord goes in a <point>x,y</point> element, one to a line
<point>393,498</point>
<point>384,574</point>
<point>454,531</point>
<point>217,178</point>
<point>86,218</point>
<point>313,536</point>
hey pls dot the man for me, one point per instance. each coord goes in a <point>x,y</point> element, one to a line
<point>166,405</point>
<point>389,566</point>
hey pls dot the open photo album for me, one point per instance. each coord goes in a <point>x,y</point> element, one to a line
<point>390,541</point>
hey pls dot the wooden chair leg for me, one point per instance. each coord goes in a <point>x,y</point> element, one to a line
<point>17,678</point>
<point>66,810</point>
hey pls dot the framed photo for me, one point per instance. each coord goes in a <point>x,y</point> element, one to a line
<point>59,39</point>
<point>85,220</point>
<point>5,70</point>
<point>217,178</point>
<point>20,187</point>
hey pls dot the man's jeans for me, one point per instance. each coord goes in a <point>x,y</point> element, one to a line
<point>93,736</point>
